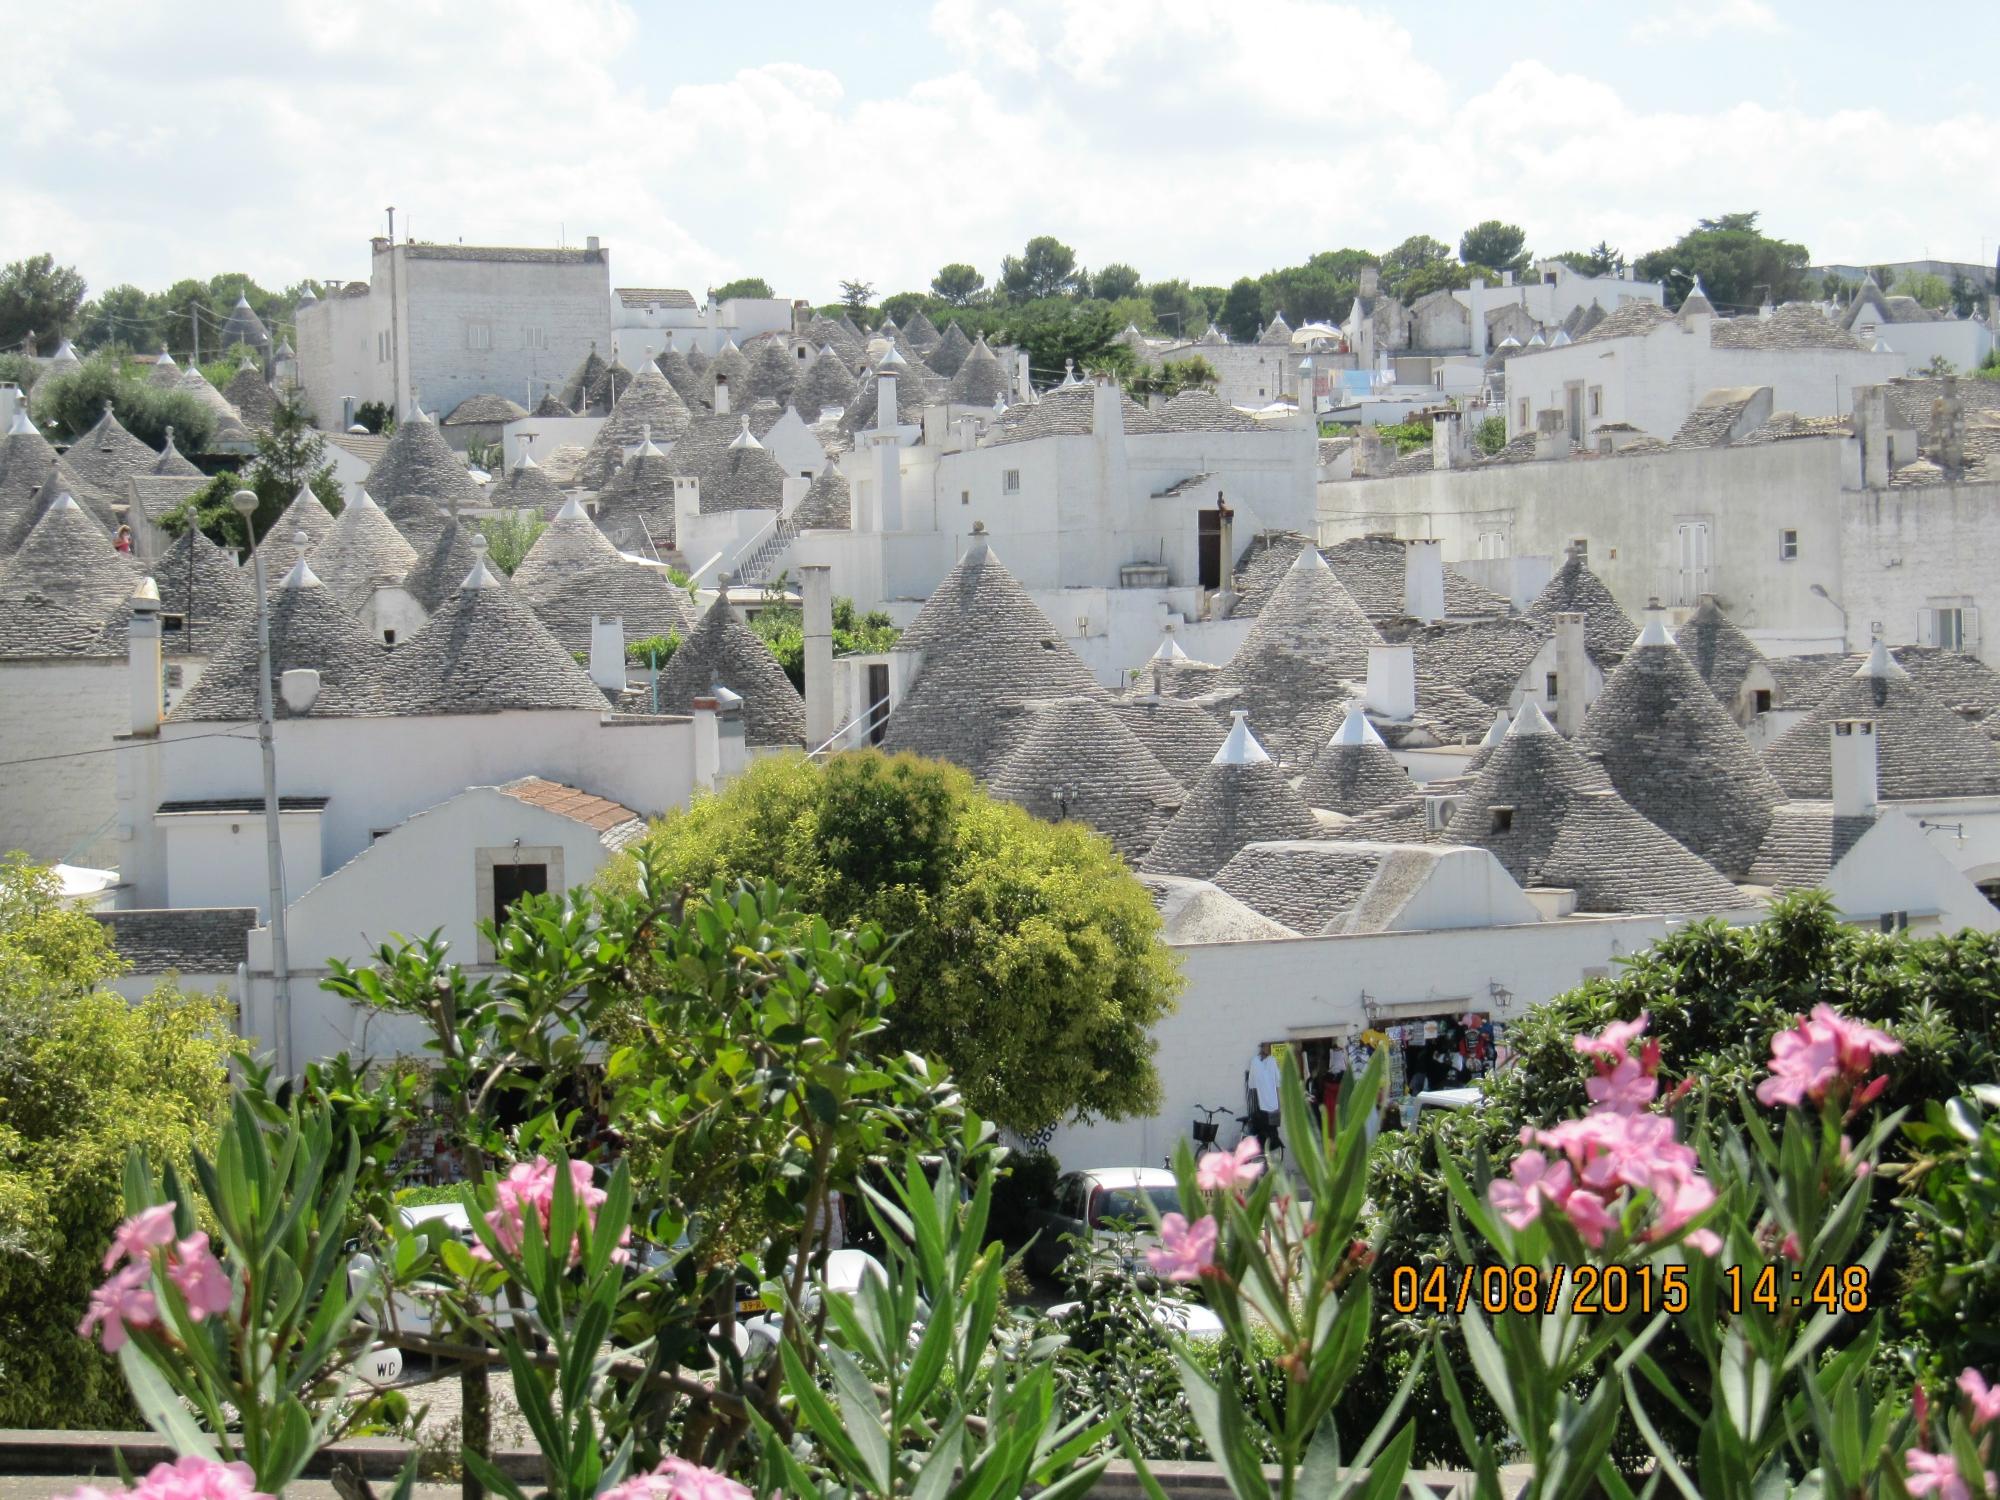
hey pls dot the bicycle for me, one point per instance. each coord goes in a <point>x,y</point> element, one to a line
<point>1206,1130</point>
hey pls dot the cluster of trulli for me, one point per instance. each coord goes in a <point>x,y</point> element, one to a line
<point>1268,777</point>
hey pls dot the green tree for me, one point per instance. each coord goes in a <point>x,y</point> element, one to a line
<point>1242,310</point>
<point>1599,260</point>
<point>900,305</point>
<point>1497,246</point>
<point>40,297</point>
<point>1417,254</point>
<point>18,369</point>
<point>509,536</point>
<point>1930,290</point>
<point>855,295</point>
<point>1046,267</point>
<point>1175,308</point>
<point>1171,377</point>
<point>84,1076</point>
<point>743,286</point>
<point>1115,281</point>
<point>1491,435</point>
<point>68,404</point>
<point>1029,961</point>
<point>124,316</point>
<point>1738,264</point>
<point>782,627</point>
<point>957,284</point>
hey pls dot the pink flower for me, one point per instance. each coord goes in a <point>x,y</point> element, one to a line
<point>1824,1049</point>
<point>677,1479</point>
<point>139,1235</point>
<point>1220,1171</point>
<point>1624,1087</point>
<point>1934,1472</point>
<point>1789,1247</point>
<point>198,1274</point>
<point>1857,1041</point>
<point>1185,1250</point>
<point>1615,1040</point>
<point>124,1301</point>
<point>186,1479</point>
<point>1519,1199</point>
<point>531,1188</point>
<point>1590,1216</point>
<point>1985,1399</point>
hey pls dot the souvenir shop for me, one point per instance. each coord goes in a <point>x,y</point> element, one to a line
<point>1448,1050</point>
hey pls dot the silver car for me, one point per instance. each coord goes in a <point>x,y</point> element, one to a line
<point>1086,1202</point>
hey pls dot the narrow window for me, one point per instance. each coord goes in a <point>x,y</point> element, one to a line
<point>1761,698</point>
<point>1552,686</point>
<point>1788,545</point>
<point>512,882</point>
<point>1503,819</point>
<point>1010,482</point>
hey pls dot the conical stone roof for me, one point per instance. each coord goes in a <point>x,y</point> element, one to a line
<point>988,654</point>
<point>55,485</point>
<point>1617,861</point>
<point>526,487</point>
<point>774,373</point>
<point>1242,798</point>
<point>1607,629</point>
<point>828,505</point>
<point>673,363</point>
<point>551,406</point>
<point>310,627</point>
<point>107,455</point>
<point>201,583</point>
<point>697,360</point>
<point>825,332</point>
<point>729,364</point>
<point>307,515</point>
<point>363,548</point>
<point>484,651</point>
<point>58,591</point>
<point>649,407</point>
<point>913,392</point>
<point>251,395</point>
<point>635,509</point>
<point>1277,333</point>
<point>243,326</point>
<point>1075,759</point>
<point>1678,758</point>
<point>572,573</point>
<point>827,384</point>
<point>1354,772</point>
<point>172,462</point>
<point>1923,749</point>
<point>441,568</point>
<point>609,388</point>
<point>1517,805</point>
<point>1722,655</point>
<point>980,380</point>
<point>949,352</point>
<point>576,390</point>
<point>418,465</point>
<point>921,332</point>
<point>741,475</point>
<point>1182,735</point>
<point>1294,665</point>
<point>724,650</point>
<point>26,461</point>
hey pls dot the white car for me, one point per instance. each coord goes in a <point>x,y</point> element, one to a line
<point>1453,1099</point>
<point>1087,1201</point>
<point>1193,1319</point>
<point>845,1271</point>
<point>414,1311</point>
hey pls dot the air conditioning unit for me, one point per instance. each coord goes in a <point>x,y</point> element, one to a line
<point>1438,812</point>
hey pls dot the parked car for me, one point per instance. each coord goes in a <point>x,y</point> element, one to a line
<point>762,1325</point>
<point>1445,1099</point>
<point>1086,1202</point>
<point>1191,1319</point>
<point>415,1310</point>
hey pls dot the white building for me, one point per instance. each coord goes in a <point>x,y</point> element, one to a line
<point>1904,326</point>
<point>647,321</point>
<point>1647,368</point>
<point>435,324</point>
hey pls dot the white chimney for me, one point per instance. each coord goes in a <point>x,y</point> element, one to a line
<point>707,743</point>
<point>143,642</point>
<point>607,652</point>
<point>1423,580</point>
<point>1444,441</point>
<point>1392,682</point>
<point>889,481</point>
<point>299,687</point>
<point>1854,751</point>
<point>885,398</point>
<point>816,587</point>
<point>1572,673</point>
<point>722,395</point>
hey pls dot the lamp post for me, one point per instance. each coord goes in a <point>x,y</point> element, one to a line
<point>245,504</point>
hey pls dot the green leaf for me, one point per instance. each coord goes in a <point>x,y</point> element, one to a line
<point>160,1404</point>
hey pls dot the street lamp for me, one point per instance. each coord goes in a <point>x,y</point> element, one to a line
<point>245,504</point>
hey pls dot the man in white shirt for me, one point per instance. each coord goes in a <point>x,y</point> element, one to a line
<point>1264,1097</point>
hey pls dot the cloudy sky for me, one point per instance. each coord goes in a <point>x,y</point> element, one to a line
<point>810,142</point>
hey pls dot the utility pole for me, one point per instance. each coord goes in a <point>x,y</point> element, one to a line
<point>245,504</point>
<point>194,321</point>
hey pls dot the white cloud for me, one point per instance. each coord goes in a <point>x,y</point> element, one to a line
<point>1204,138</point>
<point>1698,22</point>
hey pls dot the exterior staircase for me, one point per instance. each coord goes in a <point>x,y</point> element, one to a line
<point>763,560</point>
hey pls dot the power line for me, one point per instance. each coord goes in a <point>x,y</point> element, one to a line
<point>35,760</point>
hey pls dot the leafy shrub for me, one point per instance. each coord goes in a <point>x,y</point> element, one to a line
<point>68,404</point>
<point>1490,435</point>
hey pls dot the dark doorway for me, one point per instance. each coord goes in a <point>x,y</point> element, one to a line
<point>1208,552</point>
<point>878,701</point>
<point>512,882</point>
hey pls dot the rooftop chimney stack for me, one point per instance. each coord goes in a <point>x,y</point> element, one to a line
<point>1423,580</point>
<point>607,652</point>
<point>1572,673</point>
<point>722,395</point>
<point>1444,441</point>
<point>1392,682</point>
<point>816,587</point>
<point>1948,422</point>
<point>143,643</point>
<point>1854,764</point>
